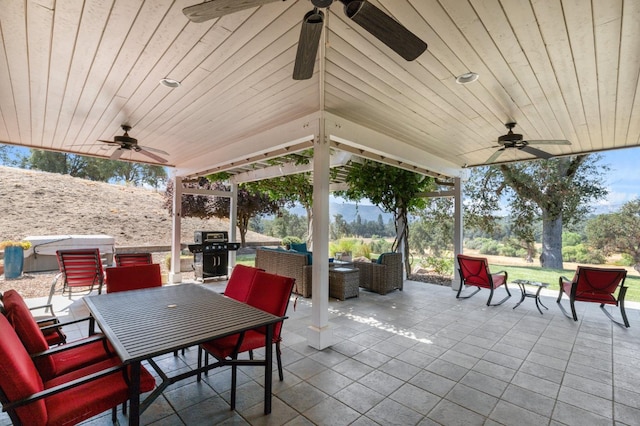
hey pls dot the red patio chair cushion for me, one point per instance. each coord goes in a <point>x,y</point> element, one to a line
<point>594,285</point>
<point>240,282</point>
<point>133,277</point>
<point>269,293</point>
<point>19,379</point>
<point>128,259</point>
<point>475,272</point>
<point>34,342</point>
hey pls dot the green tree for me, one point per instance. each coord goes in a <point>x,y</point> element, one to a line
<point>395,190</point>
<point>433,230</point>
<point>556,191</point>
<point>251,203</point>
<point>618,232</point>
<point>286,224</point>
<point>98,169</point>
<point>292,189</point>
<point>138,174</point>
<point>339,228</point>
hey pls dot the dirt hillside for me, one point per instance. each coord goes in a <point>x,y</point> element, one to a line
<point>41,203</point>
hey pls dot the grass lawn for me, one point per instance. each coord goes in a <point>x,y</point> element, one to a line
<point>551,276</point>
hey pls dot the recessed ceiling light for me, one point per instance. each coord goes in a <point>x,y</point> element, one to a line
<point>169,82</point>
<point>468,77</point>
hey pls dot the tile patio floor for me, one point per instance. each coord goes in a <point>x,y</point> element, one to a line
<point>422,357</point>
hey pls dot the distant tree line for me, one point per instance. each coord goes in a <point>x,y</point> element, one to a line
<point>90,168</point>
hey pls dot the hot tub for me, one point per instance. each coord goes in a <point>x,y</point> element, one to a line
<point>42,254</point>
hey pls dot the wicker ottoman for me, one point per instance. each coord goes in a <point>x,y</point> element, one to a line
<point>344,283</point>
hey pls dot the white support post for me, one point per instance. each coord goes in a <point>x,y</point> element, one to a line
<point>319,335</point>
<point>233,220</point>
<point>457,231</point>
<point>174,275</point>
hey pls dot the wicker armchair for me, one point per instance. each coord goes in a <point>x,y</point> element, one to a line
<point>382,277</point>
<point>287,264</point>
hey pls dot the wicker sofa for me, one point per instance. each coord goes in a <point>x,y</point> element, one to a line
<point>381,277</point>
<point>288,264</point>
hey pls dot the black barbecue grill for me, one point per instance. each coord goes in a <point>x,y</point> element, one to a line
<point>211,253</point>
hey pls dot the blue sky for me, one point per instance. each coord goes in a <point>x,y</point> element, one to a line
<point>623,181</point>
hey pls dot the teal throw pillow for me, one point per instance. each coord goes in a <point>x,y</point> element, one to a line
<point>301,247</point>
<point>379,261</point>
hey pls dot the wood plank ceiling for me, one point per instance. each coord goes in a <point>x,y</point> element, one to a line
<point>73,71</point>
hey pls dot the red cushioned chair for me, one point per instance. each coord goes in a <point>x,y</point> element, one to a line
<point>78,268</point>
<point>474,271</point>
<point>269,293</point>
<point>240,282</point>
<point>66,399</point>
<point>47,324</point>
<point>52,363</point>
<point>133,277</point>
<point>596,285</point>
<point>129,259</point>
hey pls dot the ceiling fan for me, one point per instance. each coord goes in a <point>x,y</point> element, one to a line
<point>516,141</point>
<point>127,143</point>
<point>371,18</point>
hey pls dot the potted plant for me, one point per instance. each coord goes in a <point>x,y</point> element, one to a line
<point>14,257</point>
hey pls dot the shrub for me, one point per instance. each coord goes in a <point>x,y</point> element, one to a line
<point>490,247</point>
<point>288,240</point>
<point>582,254</point>
<point>440,265</point>
<point>625,260</point>
<point>508,251</point>
<point>571,239</point>
<point>380,245</point>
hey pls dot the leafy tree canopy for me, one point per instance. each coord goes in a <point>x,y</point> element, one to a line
<point>97,169</point>
<point>618,232</point>
<point>396,190</point>
<point>554,191</point>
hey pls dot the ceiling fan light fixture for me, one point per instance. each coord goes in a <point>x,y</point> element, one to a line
<point>466,78</point>
<point>169,82</point>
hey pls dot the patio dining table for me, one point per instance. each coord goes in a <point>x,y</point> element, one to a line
<point>142,324</point>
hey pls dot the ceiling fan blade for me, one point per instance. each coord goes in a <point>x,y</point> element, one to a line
<point>495,156</point>
<point>310,33</point>
<point>159,151</point>
<point>538,153</point>
<point>111,142</point>
<point>549,142</point>
<point>117,154</point>
<point>385,28</point>
<point>216,8</point>
<point>152,155</point>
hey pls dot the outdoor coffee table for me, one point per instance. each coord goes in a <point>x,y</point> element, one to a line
<point>142,324</point>
<point>536,295</point>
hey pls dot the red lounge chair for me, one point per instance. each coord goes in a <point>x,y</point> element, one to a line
<point>240,282</point>
<point>269,293</point>
<point>52,363</point>
<point>596,285</point>
<point>67,399</point>
<point>129,259</point>
<point>133,277</point>
<point>474,271</point>
<point>54,335</point>
<point>78,268</point>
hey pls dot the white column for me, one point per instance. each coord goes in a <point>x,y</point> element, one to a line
<point>233,220</point>
<point>457,231</point>
<point>319,334</point>
<point>174,275</point>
